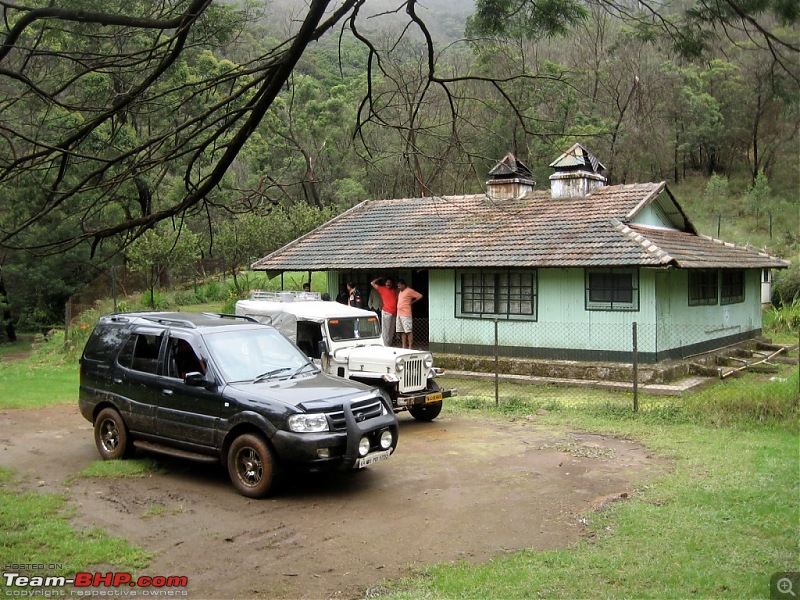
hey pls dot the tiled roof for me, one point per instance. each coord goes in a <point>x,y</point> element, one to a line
<point>478,231</point>
<point>691,251</point>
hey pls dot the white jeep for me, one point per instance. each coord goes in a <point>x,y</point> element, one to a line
<point>346,341</point>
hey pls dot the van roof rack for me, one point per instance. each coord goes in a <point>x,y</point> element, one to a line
<point>284,295</point>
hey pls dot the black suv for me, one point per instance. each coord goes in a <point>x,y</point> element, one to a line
<point>220,387</point>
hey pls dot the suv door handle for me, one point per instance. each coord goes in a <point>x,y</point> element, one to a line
<point>167,392</point>
<point>116,380</point>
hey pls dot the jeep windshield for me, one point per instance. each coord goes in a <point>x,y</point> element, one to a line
<point>354,328</point>
<point>256,355</point>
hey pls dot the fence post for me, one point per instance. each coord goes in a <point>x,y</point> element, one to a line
<point>496,364</point>
<point>67,319</point>
<point>635,368</point>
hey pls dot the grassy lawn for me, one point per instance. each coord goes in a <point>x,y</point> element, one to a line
<point>718,524</point>
<point>26,384</point>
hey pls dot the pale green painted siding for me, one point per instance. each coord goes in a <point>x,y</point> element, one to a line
<point>651,216</point>
<point>665,320</point>
<point>681,325</point>
<point>563,322</point>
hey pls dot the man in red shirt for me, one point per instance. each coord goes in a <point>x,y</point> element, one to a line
<point>405,298</point>
<point>388,292</point>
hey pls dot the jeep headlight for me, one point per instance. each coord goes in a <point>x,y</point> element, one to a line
<point>308,423</point>
<point>399,363</point>
<point>428,361</point>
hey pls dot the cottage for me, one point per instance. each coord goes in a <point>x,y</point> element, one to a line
<point>560,273</point>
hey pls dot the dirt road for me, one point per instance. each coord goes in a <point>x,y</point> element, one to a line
<point>457,488</point>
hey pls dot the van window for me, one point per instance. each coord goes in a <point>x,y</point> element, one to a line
<point>309,335</point>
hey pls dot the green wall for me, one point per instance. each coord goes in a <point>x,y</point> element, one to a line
<point>667,326</point>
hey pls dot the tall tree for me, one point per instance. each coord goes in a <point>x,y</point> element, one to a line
<point>108,118</point>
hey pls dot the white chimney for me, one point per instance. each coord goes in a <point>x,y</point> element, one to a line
<point>510,178</point>
<point>577,174</point>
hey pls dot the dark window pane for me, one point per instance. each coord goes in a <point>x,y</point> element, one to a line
<point>702,288</point>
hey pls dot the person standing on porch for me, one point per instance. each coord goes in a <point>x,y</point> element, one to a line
<point>385,287</point>
<point>405,298</point>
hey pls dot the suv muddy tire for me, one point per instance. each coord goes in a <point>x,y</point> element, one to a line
<point>252,466</point>
<point>111,435</point>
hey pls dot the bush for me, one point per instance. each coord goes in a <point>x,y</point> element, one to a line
<point>785,319</point>
<point>786,286</point>
<point>186,298</point>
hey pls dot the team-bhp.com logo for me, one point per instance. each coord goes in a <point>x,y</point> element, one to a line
<point>90,584</point>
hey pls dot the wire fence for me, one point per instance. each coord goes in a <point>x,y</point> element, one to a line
<point>502,361</point>
<point>574,364</point>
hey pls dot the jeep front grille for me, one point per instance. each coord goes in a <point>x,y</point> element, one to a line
<point>414,376</point>
<point>363,410</point>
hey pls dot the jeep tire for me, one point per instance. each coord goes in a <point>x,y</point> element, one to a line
<point>426,412</point>
<point>111,435</point>
<point>252,465</point>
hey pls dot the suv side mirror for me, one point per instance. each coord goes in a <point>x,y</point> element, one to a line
<point>322,346</point>
<point>195,379</point>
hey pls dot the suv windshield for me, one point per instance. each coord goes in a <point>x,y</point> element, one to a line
<point>355,328</point>
<point>255,354</point>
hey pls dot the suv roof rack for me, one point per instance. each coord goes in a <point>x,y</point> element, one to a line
<point>230,316</point>
<point>170,321</point>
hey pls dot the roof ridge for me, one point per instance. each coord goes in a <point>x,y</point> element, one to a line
<point>649,246</point>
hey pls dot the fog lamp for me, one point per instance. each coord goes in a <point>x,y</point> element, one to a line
<point>386,439</point>
<point>324,452</point>
<point>363,446</point>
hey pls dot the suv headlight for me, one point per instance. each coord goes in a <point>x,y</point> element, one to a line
<point>308,423</point>
<point>399,363</point>
<point>428,361</point>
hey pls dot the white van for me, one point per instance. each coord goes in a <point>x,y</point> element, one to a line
<point>346,341</point>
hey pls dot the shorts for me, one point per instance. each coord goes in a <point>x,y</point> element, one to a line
<point>403,324</point>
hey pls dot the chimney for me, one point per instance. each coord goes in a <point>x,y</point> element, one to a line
<point>509,179</point>
<point>577,174</point>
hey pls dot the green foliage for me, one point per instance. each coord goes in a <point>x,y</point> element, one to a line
<point>527,19</point>
<point>784,319</point>
<point>758,194</point>
<point>159,249</point>
<point>786,285</point>
<point>715,195</point>
<point>154,300</point>
<point>745,403</point>
<point>243,239</point>
<point>712,115</point>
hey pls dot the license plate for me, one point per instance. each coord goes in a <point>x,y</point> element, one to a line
<point>371,459</point>
<point>433,397</point>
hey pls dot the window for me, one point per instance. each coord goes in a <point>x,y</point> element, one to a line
<point>182,359</point>
<point>612,289</point>
<point>140,353</point>
<point>732,287</point>
<point>104,342</point>
<point>702,288</point>
<point>497,294</point>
